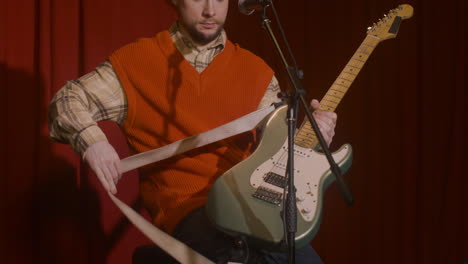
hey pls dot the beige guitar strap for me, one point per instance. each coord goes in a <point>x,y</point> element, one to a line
<point>172,246</point>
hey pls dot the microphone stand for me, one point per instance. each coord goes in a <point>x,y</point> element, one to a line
<point>290,210</point>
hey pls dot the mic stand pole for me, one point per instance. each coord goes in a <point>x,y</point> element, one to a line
<point>290,210</point>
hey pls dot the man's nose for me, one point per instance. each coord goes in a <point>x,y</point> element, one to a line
<point>209,10</point>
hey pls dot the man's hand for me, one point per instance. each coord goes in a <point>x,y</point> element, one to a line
<point>105,162</point>
<point>325,120</point>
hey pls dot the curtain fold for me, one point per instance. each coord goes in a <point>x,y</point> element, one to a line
<point>405,116</point>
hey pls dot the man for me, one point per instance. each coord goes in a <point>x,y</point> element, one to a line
<point>181,82</point>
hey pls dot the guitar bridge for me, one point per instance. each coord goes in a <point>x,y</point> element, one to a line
<point>268,195</point>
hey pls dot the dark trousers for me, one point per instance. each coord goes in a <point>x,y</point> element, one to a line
<point>198,233</point>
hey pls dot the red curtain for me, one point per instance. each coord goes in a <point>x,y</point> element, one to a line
<point>404,115</point>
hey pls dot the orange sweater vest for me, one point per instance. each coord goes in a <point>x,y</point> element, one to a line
<point>169,100</point>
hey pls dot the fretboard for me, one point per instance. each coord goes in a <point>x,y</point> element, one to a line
<point>306,136</point>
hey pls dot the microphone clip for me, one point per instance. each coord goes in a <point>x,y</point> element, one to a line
<point>248,7</point>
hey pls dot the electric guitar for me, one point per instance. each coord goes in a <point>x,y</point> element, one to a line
<point>248,199</point>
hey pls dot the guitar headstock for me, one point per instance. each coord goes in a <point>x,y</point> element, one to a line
<point>388,26</point>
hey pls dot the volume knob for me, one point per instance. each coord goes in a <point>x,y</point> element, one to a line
<point>300,197</point>
<point>306,210</point>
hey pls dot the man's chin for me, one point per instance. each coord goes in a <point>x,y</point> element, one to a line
<point>203,35</point>
<point>204,38</point>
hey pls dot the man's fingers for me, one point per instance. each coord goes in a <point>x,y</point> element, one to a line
<point>118,167</point>
<point>102,178</point>
<point>327,117</point>
<point>325,120</point>
<point>105,162</point>
<point>325,130</point>
<point>113,171</point>
<point>331,115</point>
<point>315,104</point>
<point>324,126</point>
<point>110,179</point>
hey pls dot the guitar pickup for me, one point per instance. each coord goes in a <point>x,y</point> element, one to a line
<point>275,179</point>
<point>268,195</point>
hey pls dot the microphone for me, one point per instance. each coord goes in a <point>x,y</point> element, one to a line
<point>247,7</point>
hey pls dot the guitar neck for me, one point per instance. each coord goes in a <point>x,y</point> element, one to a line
<point>306,136</point>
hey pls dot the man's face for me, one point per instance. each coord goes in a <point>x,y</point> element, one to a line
<point>203,20</point>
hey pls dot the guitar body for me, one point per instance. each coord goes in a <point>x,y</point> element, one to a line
<point>231,203</point>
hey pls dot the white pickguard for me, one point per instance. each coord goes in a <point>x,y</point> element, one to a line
<point>310,168</point>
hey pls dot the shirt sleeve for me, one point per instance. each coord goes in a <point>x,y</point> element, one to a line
<point>80,104</point>
<point>271,94</point>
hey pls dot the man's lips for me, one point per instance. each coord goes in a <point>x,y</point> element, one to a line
<point>208,25</point>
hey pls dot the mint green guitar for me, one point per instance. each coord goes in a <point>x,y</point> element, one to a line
<point>248,199</point>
